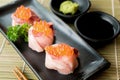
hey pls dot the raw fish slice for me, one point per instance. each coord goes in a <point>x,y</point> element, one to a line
<point>24,15</point>
<point>61,57</point>
<point>42,34</point>
<point>44,40</point>
<point>33,44</point>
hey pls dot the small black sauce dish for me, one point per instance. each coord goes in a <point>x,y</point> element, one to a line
<point>97,28</point>
<point>84,6</point>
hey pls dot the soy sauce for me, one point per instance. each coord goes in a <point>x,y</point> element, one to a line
<point>93,26</point>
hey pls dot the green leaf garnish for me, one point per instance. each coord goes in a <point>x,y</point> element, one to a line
<point>18,31</point>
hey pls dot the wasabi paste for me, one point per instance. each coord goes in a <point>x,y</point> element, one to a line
<point>68,7</point>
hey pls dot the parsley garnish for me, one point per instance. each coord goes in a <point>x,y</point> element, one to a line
<point>19,31</point>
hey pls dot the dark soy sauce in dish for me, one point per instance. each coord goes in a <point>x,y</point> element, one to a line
<point>95,27</point>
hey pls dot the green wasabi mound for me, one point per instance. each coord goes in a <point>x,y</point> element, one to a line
<point>68,7</point>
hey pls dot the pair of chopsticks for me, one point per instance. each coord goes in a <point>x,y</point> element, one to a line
<point>19,74</point>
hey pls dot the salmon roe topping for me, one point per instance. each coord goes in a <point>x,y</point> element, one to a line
<point>42,27</point>
<point>60,50</point>
<point>23,13</point>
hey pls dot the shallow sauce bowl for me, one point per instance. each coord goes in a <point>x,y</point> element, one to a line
<point>84,6</point>
<point>97,27</point>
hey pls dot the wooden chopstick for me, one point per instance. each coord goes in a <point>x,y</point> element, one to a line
<point>19,74</point>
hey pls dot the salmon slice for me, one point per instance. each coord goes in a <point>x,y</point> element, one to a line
<point>42,34</point>
<point>61,57</point>
<point>24,15</point>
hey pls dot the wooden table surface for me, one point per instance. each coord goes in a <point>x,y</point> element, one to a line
<point>9,58</point>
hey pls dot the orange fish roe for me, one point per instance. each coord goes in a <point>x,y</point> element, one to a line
<point>23,13</point>
<point>42,27</point>
<point>60,50</point>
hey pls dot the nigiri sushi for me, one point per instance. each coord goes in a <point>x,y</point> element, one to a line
<point>23,15</point>
<point>61,57</point>
<point>40,35</point>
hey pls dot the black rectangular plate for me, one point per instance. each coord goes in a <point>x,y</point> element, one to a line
<point>90,61</point>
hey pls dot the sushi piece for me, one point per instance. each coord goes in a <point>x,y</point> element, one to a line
<point>23,15</point>
<point>61,57</point>
<point>40,35</point>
